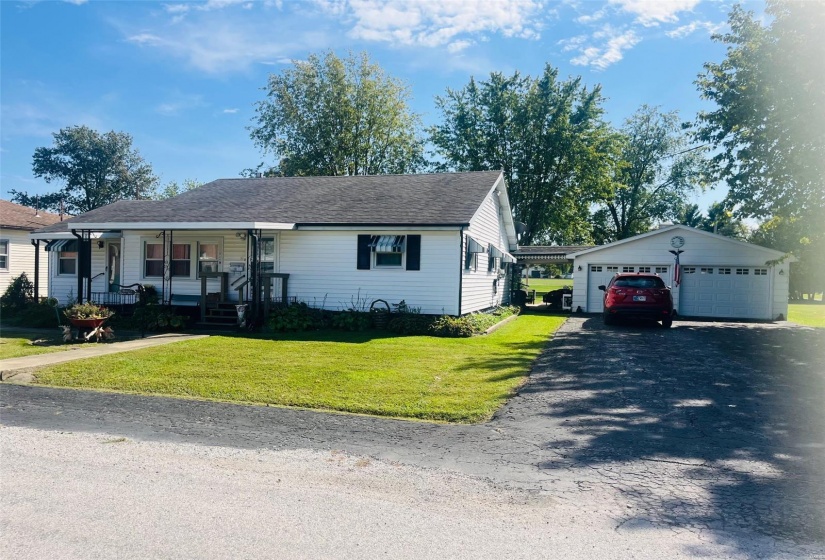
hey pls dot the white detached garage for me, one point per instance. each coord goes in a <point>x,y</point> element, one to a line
<point>720,277</point>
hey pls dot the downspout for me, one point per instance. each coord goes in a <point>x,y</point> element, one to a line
<point>171,253</point>
<point>36,243</point>
<point>254,276</point>
<point>460,267</point>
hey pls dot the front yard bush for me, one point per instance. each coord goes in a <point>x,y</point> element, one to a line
<point>18,295</point>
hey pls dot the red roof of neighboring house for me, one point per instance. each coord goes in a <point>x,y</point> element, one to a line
<point>15,216</point>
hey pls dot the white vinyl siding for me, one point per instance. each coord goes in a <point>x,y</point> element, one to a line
<point>20,258</point>
<point>478,291</point>
<point>323,271</point>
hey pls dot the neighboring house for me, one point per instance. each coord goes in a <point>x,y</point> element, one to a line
<point>17,252</point>
<point>720,277</point>
<point>440,242</point>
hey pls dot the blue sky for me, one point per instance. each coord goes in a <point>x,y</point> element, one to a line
<point>183,77</point>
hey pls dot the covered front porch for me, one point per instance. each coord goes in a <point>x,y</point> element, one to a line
<point>211,270</point>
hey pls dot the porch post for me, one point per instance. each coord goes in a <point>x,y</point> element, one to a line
<point>36,243</point>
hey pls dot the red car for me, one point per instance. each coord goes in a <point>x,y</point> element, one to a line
<point>637,295</point>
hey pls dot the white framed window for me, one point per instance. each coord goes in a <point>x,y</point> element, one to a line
<point>661,270</point>
<point>689,269</point>
<point>743,271</point>
<point>628,269</point>
<point>4,255</point>
<point>152,260</point>
<point>724,271</point>
<point>706,270</point>
<point>760,271</point>
<point>388,251</point>
<point>612,268</point>
<point>267,254</point>
<point>209,257</point>
<point>644,269</point>
<point>67,260</point>
<point>595,269</point>
<point>180,260</point>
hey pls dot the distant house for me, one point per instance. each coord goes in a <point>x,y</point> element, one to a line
<point>17,252</point>
<point>439,242</point>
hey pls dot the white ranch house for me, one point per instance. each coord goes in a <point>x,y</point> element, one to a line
<point>440,242</point>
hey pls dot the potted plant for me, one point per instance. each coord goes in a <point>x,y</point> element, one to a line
<point>87,315</point>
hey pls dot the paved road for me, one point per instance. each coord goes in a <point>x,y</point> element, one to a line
<point>714,431</point>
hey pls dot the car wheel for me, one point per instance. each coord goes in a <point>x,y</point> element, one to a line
<point>607,318</point>
<point>667,323</point>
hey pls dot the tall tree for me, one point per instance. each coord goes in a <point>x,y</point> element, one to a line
<point>545,134</point>
<point>721,220</point>
<point>656,169</point>
<point>690,215</point>
<point>328,116</point>
<point>790,234</point>
<point>768,126</point>
<point>95,169</point>
<point>173,189</point>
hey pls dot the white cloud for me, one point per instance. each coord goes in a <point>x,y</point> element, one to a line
<point>683,31</point>
<point>433,24</point>
<point>76,2</point>
<point>653,12</point>
<point>179,103</point>
<point>610,47</point>
<point>230,111</point>
<point>216,47</point>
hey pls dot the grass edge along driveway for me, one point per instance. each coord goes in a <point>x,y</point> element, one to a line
<point>808,313</point>
<point>420,377</point>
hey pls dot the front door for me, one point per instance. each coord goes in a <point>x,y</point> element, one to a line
<point>113,266</point>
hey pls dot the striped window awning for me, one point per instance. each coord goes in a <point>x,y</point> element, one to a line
<point>59,245</point>
<point>387,243</point>
<point>474,246</point>
<point>495,253</point>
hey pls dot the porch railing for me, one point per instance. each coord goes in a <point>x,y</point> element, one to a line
<point>124,296</point>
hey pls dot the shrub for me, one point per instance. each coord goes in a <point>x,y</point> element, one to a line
<point>290,318</point>
<point>409,323</point>
<point>18,294</point>
<point>352,320</point>
<point>452,327</point>
<point>38,315</point>
<point>157,318</point>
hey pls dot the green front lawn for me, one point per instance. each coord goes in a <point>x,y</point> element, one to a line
<point>459,380</point>
<point>27,343</point>
<point>544,285</point>
<point>811,314</point>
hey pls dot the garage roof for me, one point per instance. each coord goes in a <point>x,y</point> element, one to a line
<point>673,229</point>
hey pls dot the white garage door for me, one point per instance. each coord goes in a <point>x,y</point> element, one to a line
<point>600,274</point>
<point>725,291</point>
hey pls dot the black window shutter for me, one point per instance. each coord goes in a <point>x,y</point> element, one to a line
<point>364,252</point>
<point>413,252</point>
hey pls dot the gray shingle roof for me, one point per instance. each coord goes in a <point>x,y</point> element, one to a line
<point>15,216</point>
<point>427,199</point>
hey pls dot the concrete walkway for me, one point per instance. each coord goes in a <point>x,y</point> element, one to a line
<point>15,368</point>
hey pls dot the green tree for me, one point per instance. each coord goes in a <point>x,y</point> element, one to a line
<point>329,116</point>
<point>545,134</point>
<point>722,221</point>
<point>768,126</point>
<point>807,274</point>
<point>690,215</point>
<point>173,189</point>
<point>95,169</point>
<point>656,169</point>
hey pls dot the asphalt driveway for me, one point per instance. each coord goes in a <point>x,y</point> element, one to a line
<point>713,428</point>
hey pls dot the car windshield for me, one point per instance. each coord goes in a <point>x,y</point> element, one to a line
<point>643,282</point>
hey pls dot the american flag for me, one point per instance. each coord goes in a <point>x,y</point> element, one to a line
<point>677,273</point>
